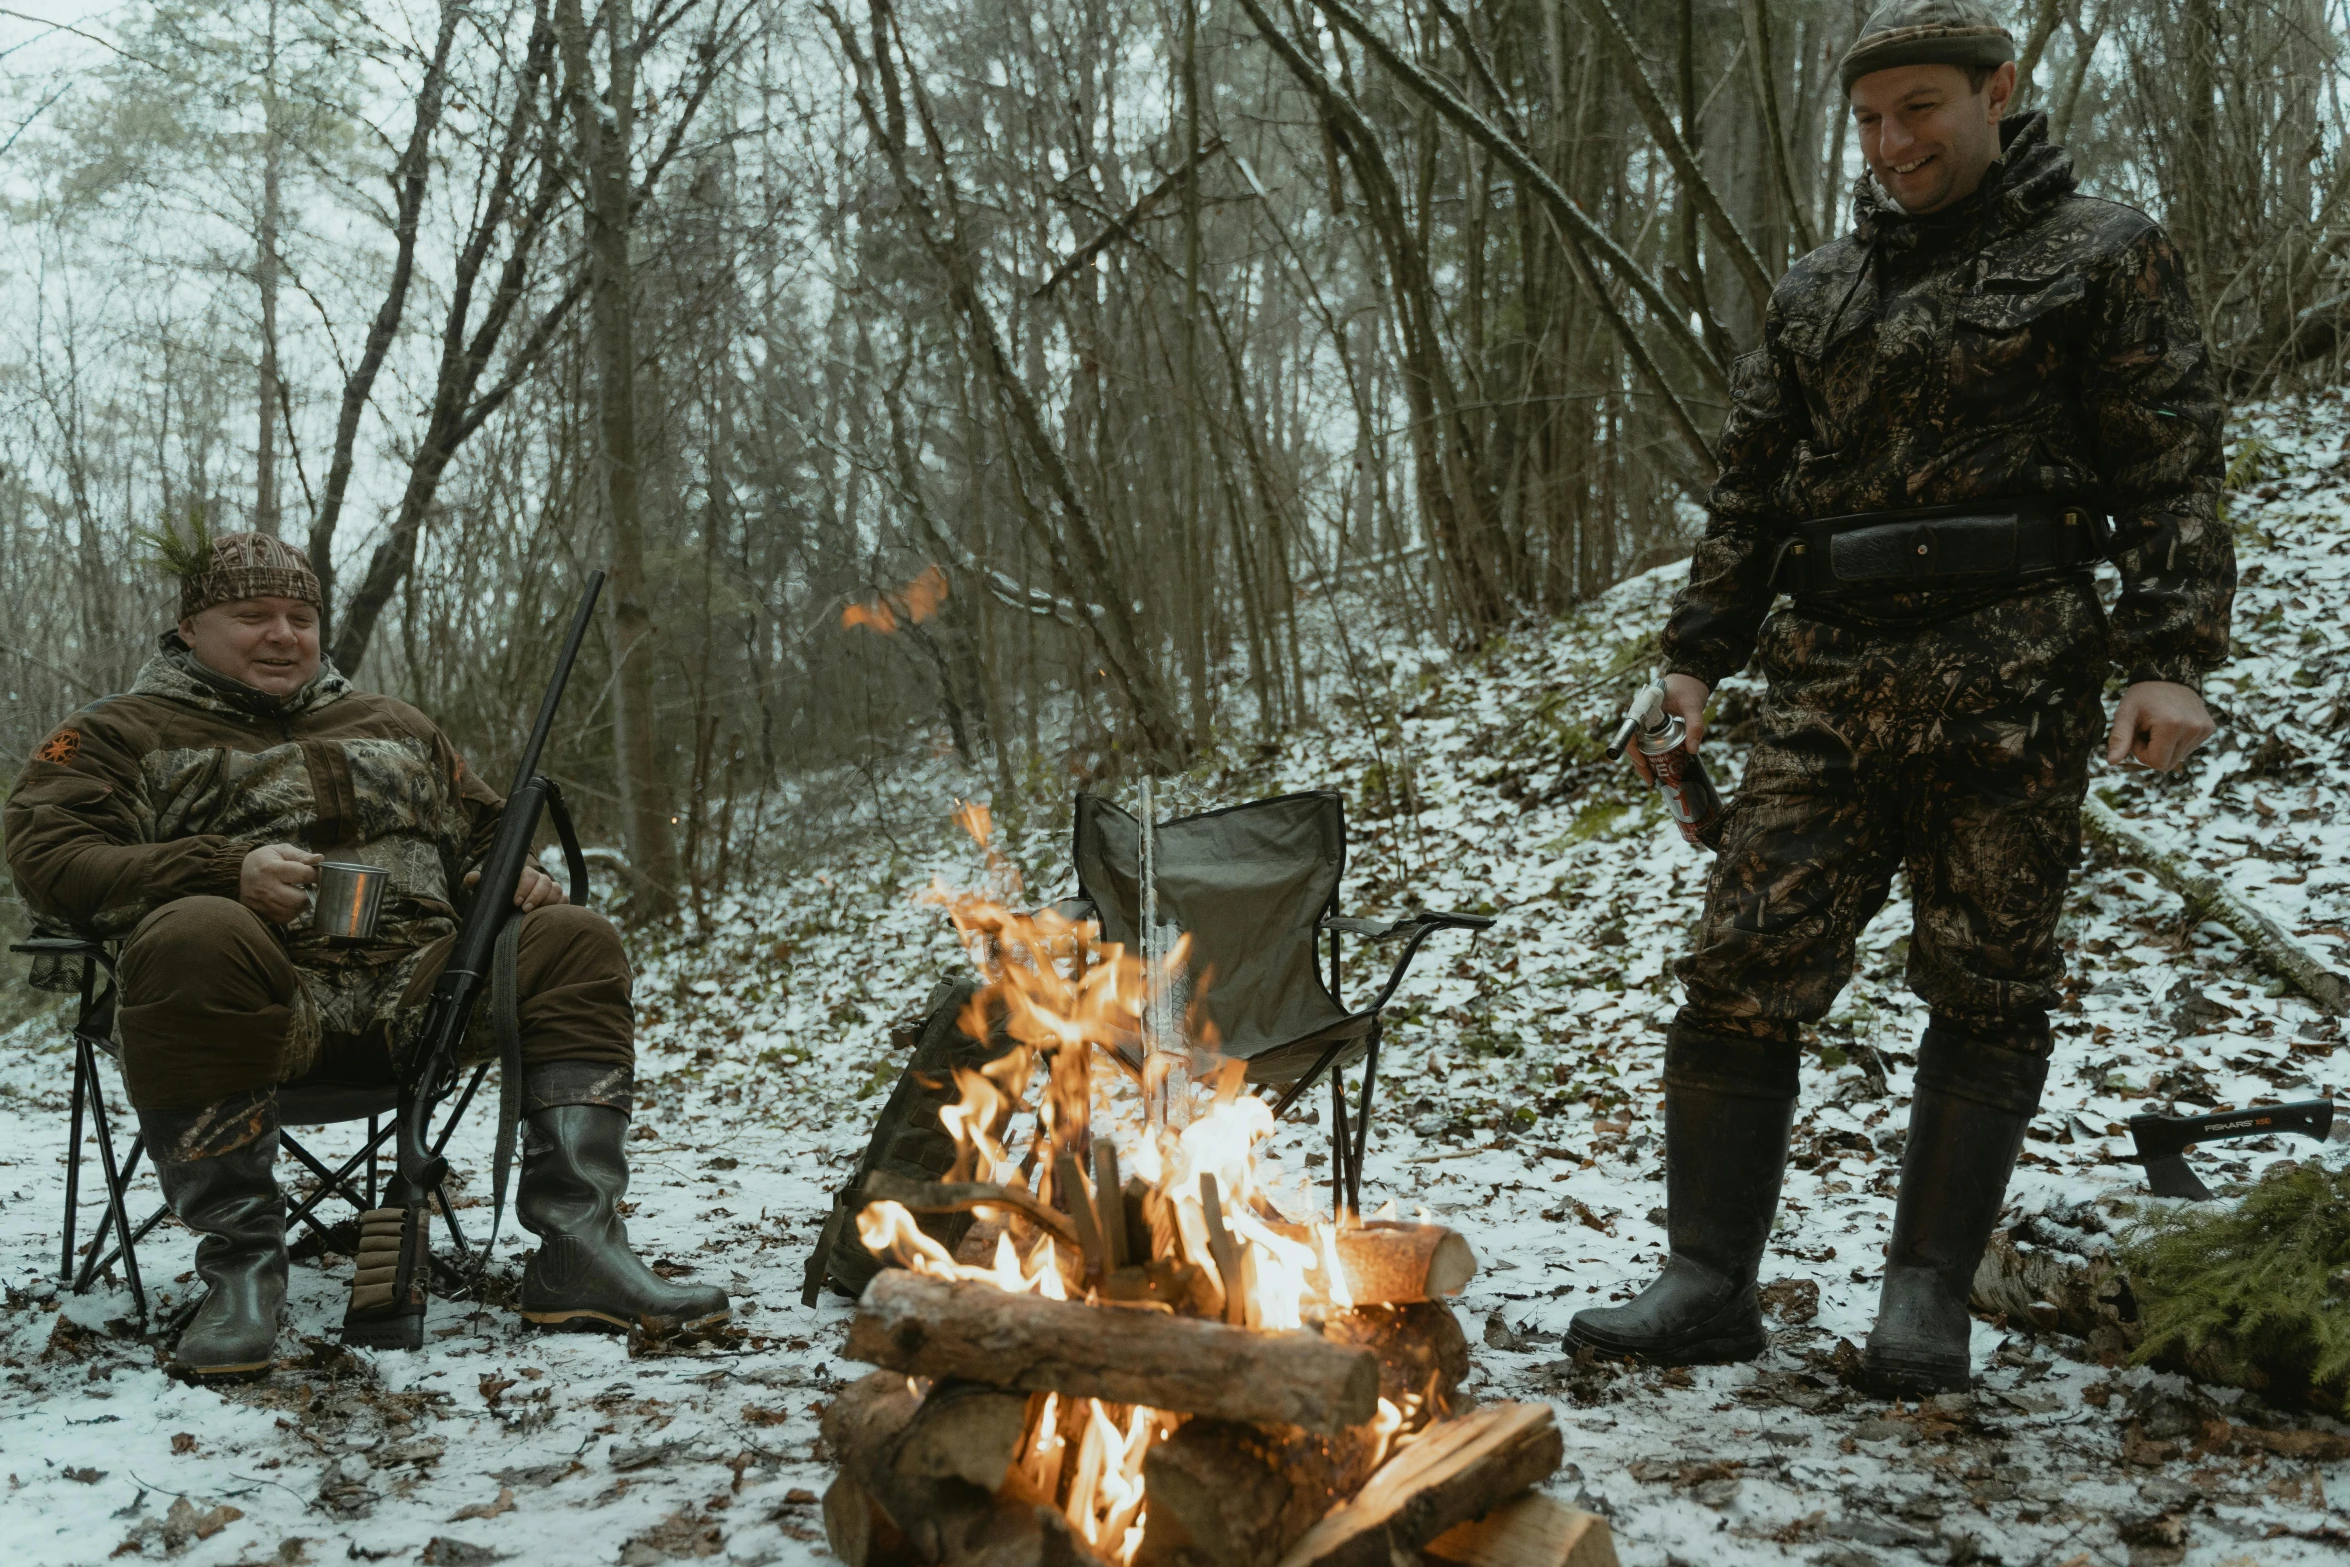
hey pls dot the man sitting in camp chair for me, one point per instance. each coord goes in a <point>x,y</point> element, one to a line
<point>189,817</point>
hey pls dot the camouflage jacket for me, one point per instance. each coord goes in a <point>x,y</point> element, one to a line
<point>161,793</point>
<point>2029,341</point>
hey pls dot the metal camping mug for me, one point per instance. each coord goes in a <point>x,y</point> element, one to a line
<point>349,900</point>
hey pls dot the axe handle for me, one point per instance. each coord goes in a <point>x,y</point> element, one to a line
<point>2161,1136</point>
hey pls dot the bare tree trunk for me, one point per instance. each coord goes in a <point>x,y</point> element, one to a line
<point>265,275</point>
<point>605,126</point>
<point>409,179</point>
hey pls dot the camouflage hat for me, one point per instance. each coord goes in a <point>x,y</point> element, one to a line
<point>246,566</point>
<point>1927,32</point>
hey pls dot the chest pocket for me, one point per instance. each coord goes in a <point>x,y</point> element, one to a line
<point>1836,366</point>
<point>2006,337</point>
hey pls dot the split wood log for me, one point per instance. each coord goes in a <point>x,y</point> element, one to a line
<point>1388,1262</point>
<point>858,1531</point>
<point>1455,1471</point>
<point>964,1431</point>
<point>923,1326</point>
<point>888,1513</point>
<point>1533,1531</point>
<point>1225,1494</point>
<point>2210,898</point>
<point>963,1197</point>
<point>1422,1351</point>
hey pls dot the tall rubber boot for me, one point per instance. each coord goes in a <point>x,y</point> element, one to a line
<point>574,1173</point>
<point>1729,1107</point>
<point>1972,1101</point>
<point>218,1170</point>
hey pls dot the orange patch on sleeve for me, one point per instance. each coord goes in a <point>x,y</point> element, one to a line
<point>61,747</point>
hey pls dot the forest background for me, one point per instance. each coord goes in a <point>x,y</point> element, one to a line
<point>1062,390</point>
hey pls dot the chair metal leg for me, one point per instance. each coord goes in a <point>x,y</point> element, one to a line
<point>92,1268</point>
<point>83,1077</point>
<point>332,1183</point>
<point>1341,1146</point>
<point>1354,1165</point>
<point>374,1140</point>
<point>114,1203</point>
<point>449,1216</point>
<point>440,1144</point>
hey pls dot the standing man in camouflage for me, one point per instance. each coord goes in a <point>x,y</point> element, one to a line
<point>1948,405</point>
<point>187,817</point>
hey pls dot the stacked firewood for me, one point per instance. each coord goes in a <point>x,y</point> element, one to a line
<point>1281,1454</point>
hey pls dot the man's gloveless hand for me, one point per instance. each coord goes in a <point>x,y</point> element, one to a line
<point>276,879</point>
<point>1684,699</point>
<point>2159,724</point>
<point>535,890</point>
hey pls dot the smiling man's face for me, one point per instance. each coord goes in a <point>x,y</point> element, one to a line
<point>270,644</point>
<point>1928,135</point>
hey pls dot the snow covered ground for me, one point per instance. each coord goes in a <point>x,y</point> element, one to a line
<point>1520,1104</point>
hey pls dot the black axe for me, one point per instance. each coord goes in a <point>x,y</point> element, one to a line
<point>2163,1140</point>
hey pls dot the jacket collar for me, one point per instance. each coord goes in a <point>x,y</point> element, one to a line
<point>2032,175</point>
<point>174,673</point>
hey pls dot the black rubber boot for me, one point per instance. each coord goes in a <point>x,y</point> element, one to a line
<point>1972,1101</point>
<point>574,1173</point>
<point>217,1167</point>
<point>1729,1105</point>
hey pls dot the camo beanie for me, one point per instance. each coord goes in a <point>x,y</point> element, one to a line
<point>244,566</point>
<point>1927,32</point>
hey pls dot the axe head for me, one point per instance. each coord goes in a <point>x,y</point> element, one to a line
<point>2162,1141</point>
<point>2167,1175</point>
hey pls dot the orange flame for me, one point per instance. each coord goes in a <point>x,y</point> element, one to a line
<point>1055,997</point>
<point>916,602</point>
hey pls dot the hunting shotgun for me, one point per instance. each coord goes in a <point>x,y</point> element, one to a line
<point>388,1290</point>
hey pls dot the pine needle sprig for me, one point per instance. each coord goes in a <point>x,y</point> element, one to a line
<point>2263,1283</point>
<point>180,555</point>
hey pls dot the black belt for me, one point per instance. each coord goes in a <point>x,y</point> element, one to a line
<point>1976,542</point>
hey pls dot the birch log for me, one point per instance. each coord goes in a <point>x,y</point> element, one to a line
<point>2210,898</point>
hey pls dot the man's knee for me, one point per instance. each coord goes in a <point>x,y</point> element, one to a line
<point>573,975</point>
<point>207,999</point>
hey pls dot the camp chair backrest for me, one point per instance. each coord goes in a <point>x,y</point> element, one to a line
<point>1249,885</point>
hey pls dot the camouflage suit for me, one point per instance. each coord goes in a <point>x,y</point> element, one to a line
<point>2027,341</point>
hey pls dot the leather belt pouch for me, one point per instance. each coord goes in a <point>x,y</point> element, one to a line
<point>1925,550</point>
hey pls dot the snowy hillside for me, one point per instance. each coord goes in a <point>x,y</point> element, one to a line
<point>1520,1104</point>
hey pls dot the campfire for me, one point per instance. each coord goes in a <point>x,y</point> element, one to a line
<point>1134,1356</point>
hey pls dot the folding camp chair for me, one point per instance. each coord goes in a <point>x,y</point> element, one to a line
<point>298,1104</point>
<point>1255,887</point>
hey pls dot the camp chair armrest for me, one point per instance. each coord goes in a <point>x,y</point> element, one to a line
<point>1416,928</point>
<point>58,946</point>
<point>1417,921</point>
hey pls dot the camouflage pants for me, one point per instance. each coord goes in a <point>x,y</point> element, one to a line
<point>1957,750</point>
<point>215,1010</point>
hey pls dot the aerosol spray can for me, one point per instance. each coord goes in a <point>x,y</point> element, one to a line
<point>1697,805</point>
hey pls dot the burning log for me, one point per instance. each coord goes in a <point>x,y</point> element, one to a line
<point>1532,1531</point>
<point>1455,1471</point>
<point>1230,1495</point>
<point>924,1479</point>
<point>1392,1263</point>
<point>1225,1494</point>
<point>963,1197</point>
<point>930,1327</point>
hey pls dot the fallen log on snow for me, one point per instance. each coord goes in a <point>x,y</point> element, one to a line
<point>1453,1472</point>
<point>1388,1262</point>
<point>2210,898</point>
<point>923,1326</point>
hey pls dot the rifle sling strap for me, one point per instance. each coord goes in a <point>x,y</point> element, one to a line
<point>506,1029</point>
